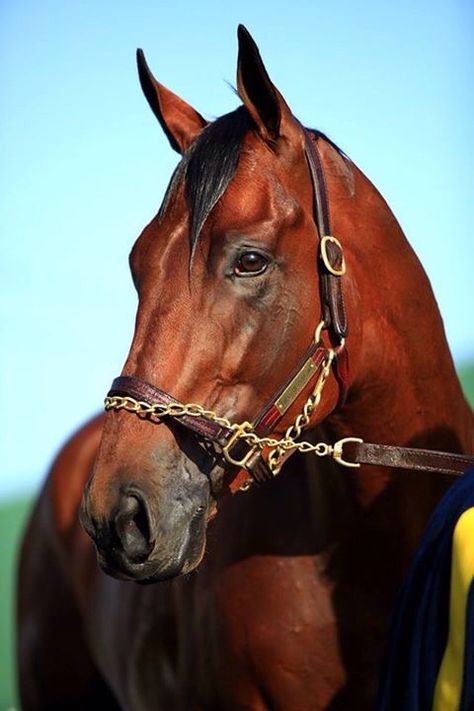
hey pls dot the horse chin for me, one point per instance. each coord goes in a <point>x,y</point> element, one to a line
<point>150,571</point>
<point>146,572</point>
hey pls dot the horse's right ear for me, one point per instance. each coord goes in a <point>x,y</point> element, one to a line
<point>179,121</point>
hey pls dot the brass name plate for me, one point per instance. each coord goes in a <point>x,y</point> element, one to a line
<point>293,389</point>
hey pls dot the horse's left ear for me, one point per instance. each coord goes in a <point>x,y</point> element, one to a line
<point>261,98</point>
<point>179,120</point>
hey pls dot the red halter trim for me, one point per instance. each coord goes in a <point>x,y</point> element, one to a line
<point>285,396</point>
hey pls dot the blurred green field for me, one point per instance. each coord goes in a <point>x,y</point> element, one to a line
<point>13,515</point>
<point>12,518</point>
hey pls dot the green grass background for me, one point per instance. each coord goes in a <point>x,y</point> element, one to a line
<point>13,514</point>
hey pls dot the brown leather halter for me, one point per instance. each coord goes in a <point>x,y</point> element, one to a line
<point>235,441</point>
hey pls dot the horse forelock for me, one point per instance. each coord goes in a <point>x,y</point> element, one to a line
<point>209,165</point>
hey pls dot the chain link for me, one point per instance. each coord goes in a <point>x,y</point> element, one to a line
<point>275,458</point>
<point>279,448</point>
<point>157,411</point>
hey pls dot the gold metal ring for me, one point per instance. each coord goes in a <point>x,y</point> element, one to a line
<point>337,453</point>
<point>317,331</point>
<point>324,256</point>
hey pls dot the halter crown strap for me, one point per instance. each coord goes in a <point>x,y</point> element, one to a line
<point>331,265</point>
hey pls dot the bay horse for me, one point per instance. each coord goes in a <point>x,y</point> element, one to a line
<point>275,596</point>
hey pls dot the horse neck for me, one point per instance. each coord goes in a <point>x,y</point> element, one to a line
<point>405,390</point>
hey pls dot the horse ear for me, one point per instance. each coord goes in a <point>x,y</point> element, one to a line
<point>261,98</point>
<point>179,121</point>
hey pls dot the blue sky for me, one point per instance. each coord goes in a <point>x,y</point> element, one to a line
<point>84,165</point>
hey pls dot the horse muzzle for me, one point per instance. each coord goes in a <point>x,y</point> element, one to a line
<point>143,541</point>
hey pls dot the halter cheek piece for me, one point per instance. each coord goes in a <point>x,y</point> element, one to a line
<point>242,445</point>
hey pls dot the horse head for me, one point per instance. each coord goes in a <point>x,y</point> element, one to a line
<point>228,303</point>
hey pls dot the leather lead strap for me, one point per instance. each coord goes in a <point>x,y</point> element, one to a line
<point>423,460</point>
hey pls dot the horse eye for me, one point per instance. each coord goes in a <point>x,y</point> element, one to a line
<point>250,264</point>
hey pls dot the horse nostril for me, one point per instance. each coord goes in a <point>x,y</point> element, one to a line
<point>132,526</point>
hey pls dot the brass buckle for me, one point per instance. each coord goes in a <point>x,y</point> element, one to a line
<point>337,452</point>
<point>325,257</point>
<point>237,434</point>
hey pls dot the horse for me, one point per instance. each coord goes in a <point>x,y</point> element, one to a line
<point>280,309</point>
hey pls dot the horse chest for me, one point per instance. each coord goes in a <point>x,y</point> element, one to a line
<point>260,634</point>
<point>276,631</point>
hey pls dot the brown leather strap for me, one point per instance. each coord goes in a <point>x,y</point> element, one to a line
<point>330,285</point>
<point>203,426</point>
<point>354,452</point>
<point>265,421</point>
<point>424,460</point>
<point>341,371</point>
<point>141,390</point>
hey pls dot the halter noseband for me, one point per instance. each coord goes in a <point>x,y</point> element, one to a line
<point>242,444</point>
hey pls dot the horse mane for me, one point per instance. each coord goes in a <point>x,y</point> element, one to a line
<point>209,165</point>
